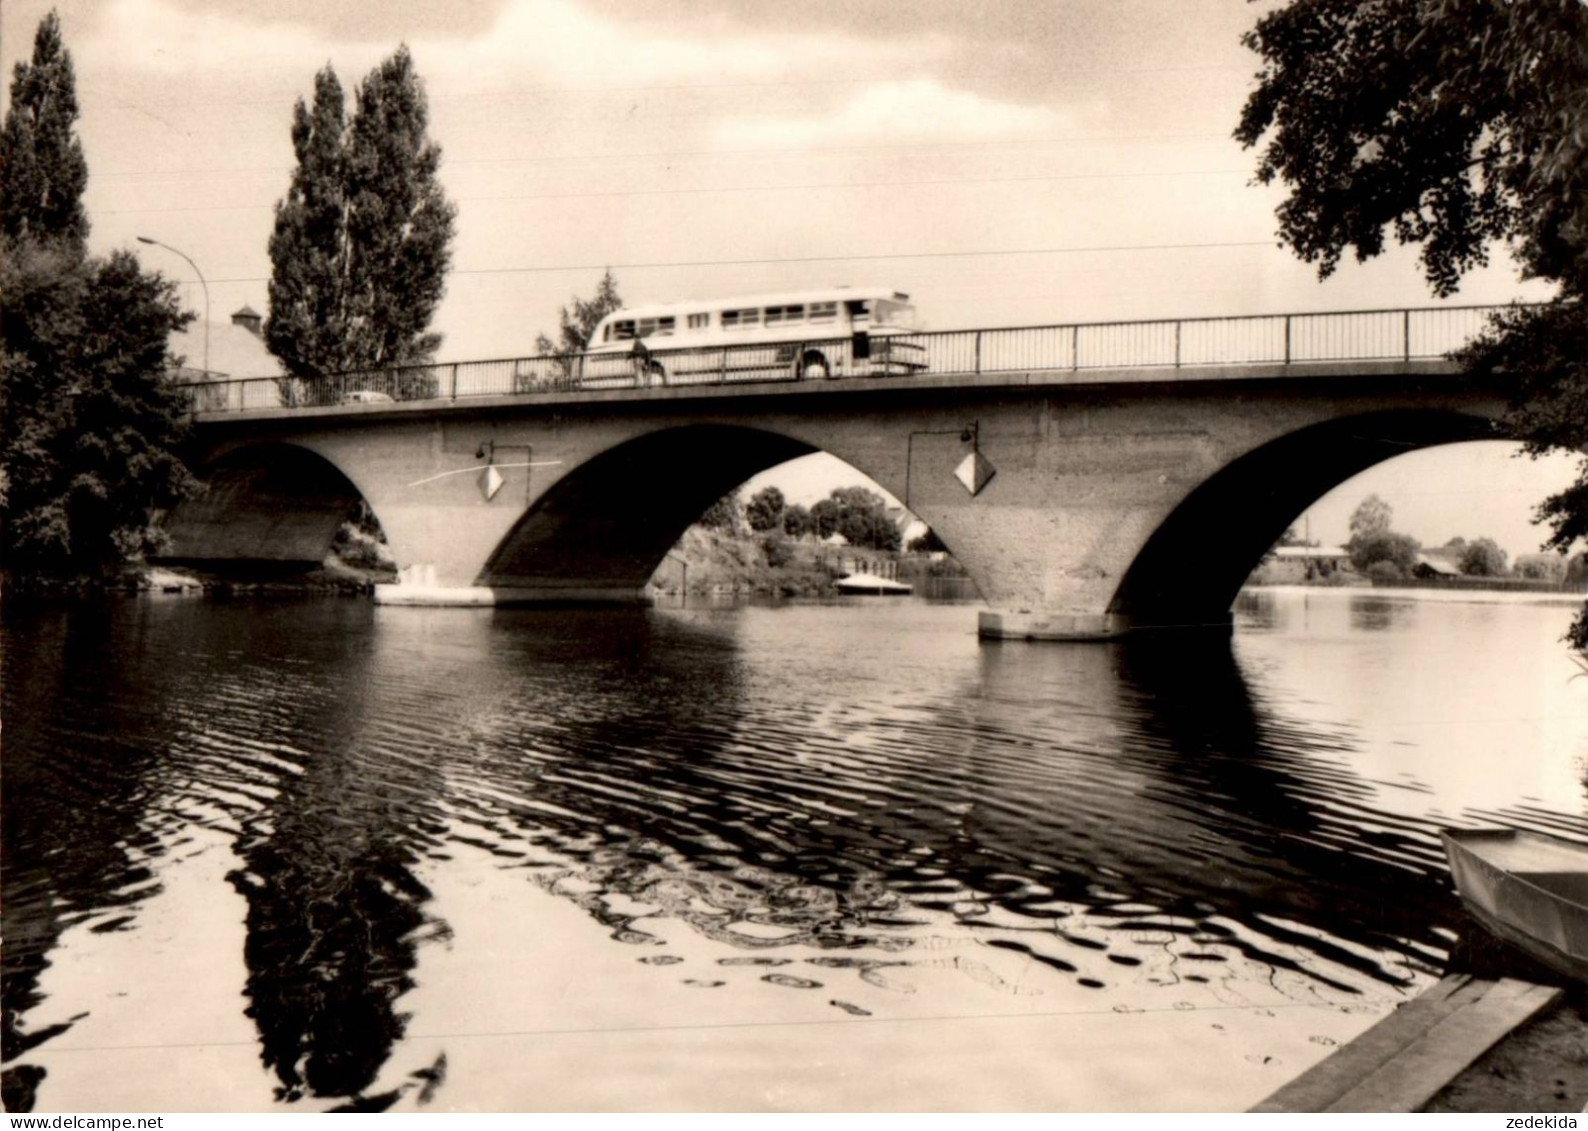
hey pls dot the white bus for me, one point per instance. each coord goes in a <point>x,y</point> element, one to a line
<point>840,332</point>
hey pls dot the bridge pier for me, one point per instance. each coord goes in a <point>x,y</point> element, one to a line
<point>999,624</point>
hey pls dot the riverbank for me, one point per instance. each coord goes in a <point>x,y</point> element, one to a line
<point>1541,1067</point>
<point>1469,595</point>
<point>710,562</point>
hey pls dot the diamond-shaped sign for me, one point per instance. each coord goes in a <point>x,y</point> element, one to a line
<point>491,482</point>
<point>974,472</point>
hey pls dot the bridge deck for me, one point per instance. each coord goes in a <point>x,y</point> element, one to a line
<point>1202,349</point>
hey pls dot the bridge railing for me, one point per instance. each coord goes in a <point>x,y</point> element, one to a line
<point>1281,339</point>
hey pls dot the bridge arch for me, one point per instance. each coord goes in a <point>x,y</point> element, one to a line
<point>1191,568</point>
<point>604,527</point>
<point>272,504</point>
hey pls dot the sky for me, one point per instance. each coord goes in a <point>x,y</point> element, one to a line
<point>1006,162</point>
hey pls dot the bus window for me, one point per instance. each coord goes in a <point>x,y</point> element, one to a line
<point>740,319</point>
<point>656,327</point>
<point>823,311</point>
<point>699,321</point>
<point>859,309</point>
<point>620,331</point>
<point>779,314</point>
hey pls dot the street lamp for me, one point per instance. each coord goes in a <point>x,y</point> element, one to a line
<point>202,283</point>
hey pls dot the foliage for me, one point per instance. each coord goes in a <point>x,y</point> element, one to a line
<point>1541,567</point>
<point>861,517</point>
<point>777,552</point>
<point>308,248</point>
<point>1400,550</point>
<point>927,543</point>
<point>797,521</point>
<point>824,518</point>
<point>724,514</point>
<point>1454,124</point>
<point>94,425</point>
<point>42,168</point>
<point>765,509</point>
<point>1386,571</point>
<point>1483,558</point>
<point>576,323</point>
<point>1541,354</point>
<point>361,244</point>
<point>1371,517</point>
<point>1577,567</point>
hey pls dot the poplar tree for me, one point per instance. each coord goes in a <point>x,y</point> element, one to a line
<point>399,223</point>
<point>362,239</point>
<point>308,248</point>
<point>42,168</point>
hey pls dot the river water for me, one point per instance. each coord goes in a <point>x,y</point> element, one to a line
<point>317,854</point>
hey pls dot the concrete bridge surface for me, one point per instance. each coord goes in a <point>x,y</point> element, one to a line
<point>1120,496</point>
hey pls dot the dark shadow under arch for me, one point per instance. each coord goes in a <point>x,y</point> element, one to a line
<point>276,505</point>
<point>607,524</point>
<point>1194,564</point>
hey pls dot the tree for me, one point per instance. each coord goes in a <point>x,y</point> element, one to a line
<point>1399,550</point>
<point>577,321</point>
<point>1483,557</point>
<point>927,543</point>
<point>399,222</point>
<point>1541,567</point>
<point>860,515</point>
<point>90,453</point>
<point>797,521</point>
<point>724,514</point>
<point>361,245</point>
<point>824,518</point>
<point>42,168</point>
<point>765,510</point>
<point>308,248</point>
<point>1371,518</point>
<point>90,449</point>
<point>1453,124</point>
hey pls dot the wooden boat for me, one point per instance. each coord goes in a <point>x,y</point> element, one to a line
<point>1528,888</point>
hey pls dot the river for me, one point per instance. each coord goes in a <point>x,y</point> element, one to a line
<point>316,854</point>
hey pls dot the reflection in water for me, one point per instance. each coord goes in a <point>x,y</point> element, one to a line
<point>334,911</point>
<point>1376,614</point>
<point>858,807</point>
<point>78,850</point>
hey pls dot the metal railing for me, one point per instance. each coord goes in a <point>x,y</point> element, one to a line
<point>1272,339</point>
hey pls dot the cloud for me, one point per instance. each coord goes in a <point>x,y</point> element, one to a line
<point>559,42</point>
<point>157,37</point>
<point>533,43</point>
<point>912,111</point>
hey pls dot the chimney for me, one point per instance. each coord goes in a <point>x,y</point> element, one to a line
<point>249,319</point>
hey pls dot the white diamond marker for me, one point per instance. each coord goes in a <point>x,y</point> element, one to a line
<point>490,483</point>
<point>974,472</point>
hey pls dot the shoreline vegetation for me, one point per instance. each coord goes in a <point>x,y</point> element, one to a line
<point>709,562</point>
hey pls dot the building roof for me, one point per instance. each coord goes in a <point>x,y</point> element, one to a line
<point>233,352</point>
<point>1311,552</point>
<point>1439,564</point>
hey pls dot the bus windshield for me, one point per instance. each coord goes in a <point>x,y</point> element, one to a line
<point>894,315</point>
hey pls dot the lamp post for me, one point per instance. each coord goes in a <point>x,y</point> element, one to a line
<point>202,283</point>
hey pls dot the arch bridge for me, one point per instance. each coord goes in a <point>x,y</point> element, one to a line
<point>1091,479</point>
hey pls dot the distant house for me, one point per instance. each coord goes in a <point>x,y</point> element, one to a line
<point>1289,564</point>
<point>1433,563</point>
<point>220,360</point>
